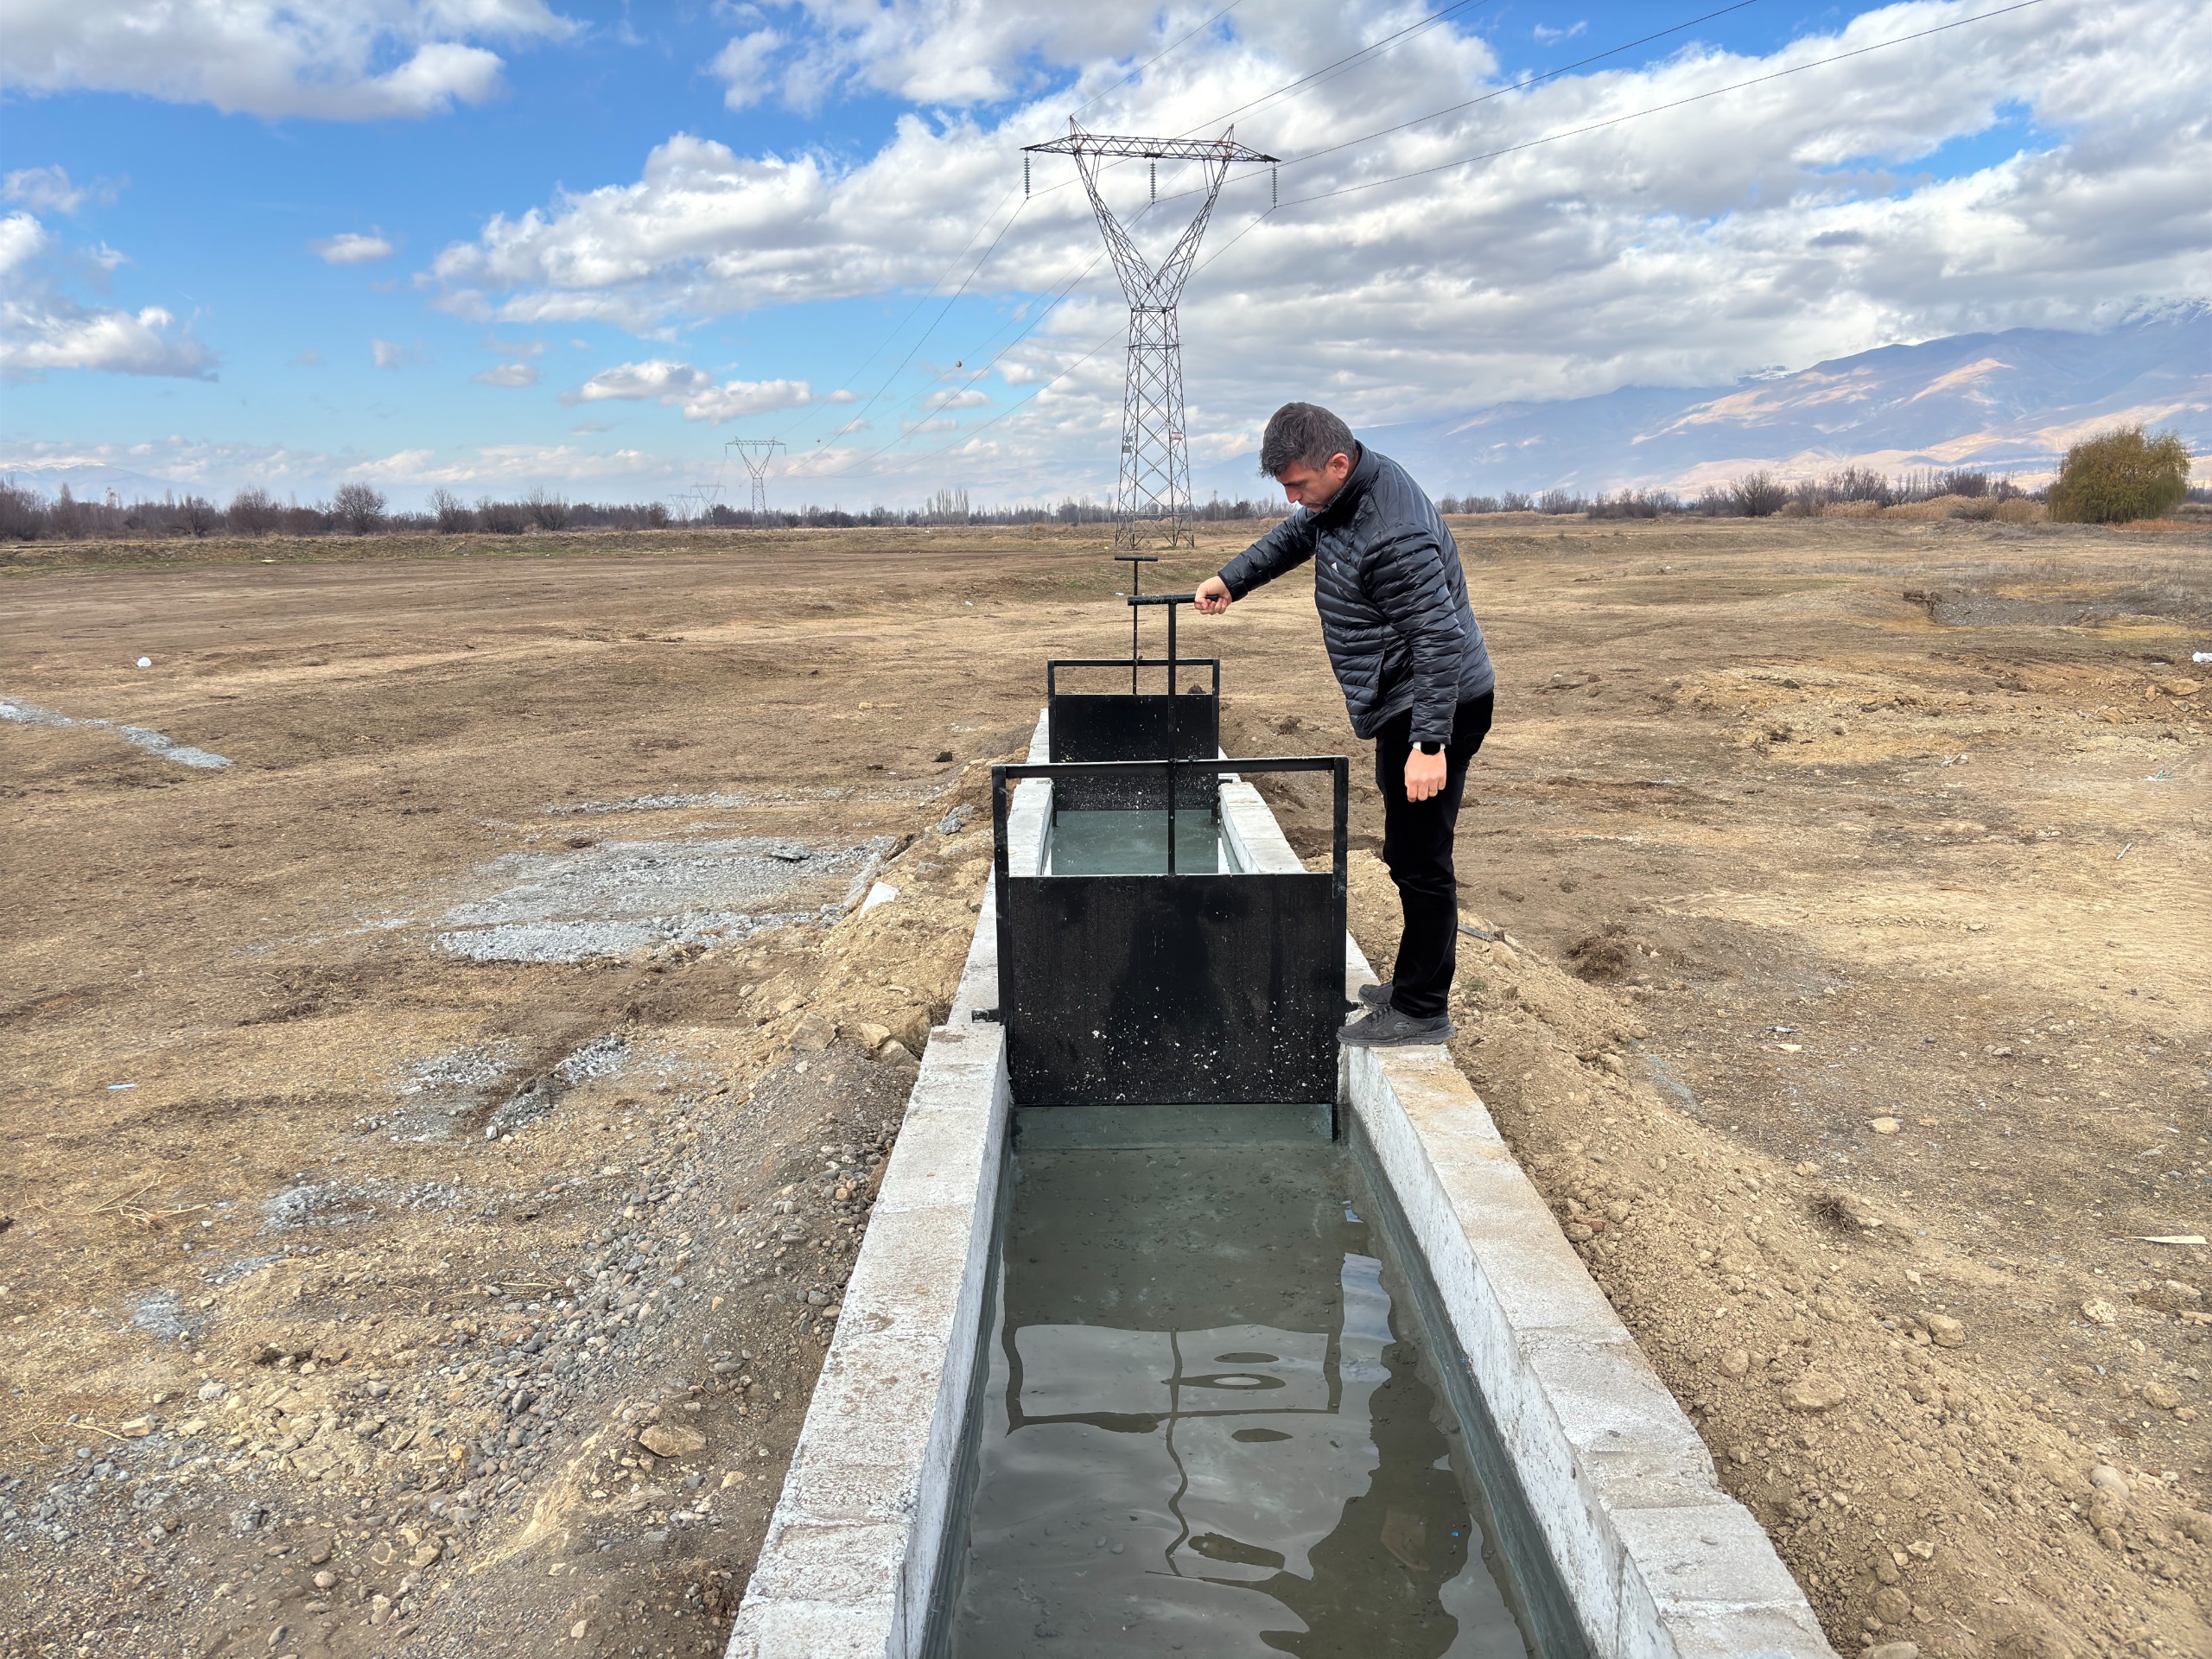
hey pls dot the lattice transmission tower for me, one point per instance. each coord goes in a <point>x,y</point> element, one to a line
<point>765,448</point>
<point>1152,502</point>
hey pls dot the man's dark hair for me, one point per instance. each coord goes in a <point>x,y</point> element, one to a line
<point>1304,434</point>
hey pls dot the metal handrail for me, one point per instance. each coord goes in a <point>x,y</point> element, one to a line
<point>1338,765</point>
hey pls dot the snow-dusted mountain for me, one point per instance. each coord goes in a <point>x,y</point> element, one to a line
<point>2010,401</point>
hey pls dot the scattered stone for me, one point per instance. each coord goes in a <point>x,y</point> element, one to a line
<point>1735,1362</point>
<point>2110,1482</point>
<point>1814,1391</point>
<point>2162,1395</point>
<point>1808,1169</point>
<point>1945,1332</point>
<point>671,1439</point>
<point>1892,1650</point>
<point>871,1036</point>
<point>1883,1125</point>
<point>2097,1310</point>
<point>895,1051</point>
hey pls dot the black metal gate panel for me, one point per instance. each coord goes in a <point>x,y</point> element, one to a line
<point>1118,726</point>
<point>1156,990</point>
<point>1178,989</point>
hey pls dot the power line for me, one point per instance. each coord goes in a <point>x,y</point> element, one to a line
<point>1656,109</point>
<point>1464,160</point>
<point>954,299</point>
<point>1522,86</point>
<point>1347,60</point>
<point>1517,86</point>
<point>1097,346</point>
<point>1162,53</point>
<point>1096,259</point>
<point>899,328</point>
<point>978,375</point>
<point>1287,87</point>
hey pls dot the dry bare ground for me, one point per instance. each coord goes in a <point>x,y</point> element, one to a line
<point>440,1135</point>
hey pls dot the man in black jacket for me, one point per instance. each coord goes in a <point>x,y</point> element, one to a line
<point>1415,674</point>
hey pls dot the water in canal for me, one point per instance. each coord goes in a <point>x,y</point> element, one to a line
<point>1135,843</point>
<point>1211,1426</point>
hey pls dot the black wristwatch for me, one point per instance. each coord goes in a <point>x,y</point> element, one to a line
<point>1432,748</point>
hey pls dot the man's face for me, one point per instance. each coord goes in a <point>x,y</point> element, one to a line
<point>1314,488</point>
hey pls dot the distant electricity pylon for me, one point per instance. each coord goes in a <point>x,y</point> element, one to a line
<point>766,449</point>
<point>1152,505</point>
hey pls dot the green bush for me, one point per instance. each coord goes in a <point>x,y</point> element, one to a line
<point>2121,475</point>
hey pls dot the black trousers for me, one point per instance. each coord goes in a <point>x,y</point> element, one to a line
<point>1417,839</point>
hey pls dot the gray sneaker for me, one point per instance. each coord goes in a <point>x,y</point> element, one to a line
<point>1388,1028</point>
<point>1376,996</point>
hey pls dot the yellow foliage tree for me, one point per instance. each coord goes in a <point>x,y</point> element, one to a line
<point>2119,475</point>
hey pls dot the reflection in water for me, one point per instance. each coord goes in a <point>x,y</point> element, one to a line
<point>1135,843</point>
<point>1200,1434</point>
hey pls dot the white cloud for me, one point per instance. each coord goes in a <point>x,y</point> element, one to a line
<point>352,248</point>
<point>121,342</point>
<point>266,58</point>
<point>21,238</point>
<point>1780,223</point>
<point>391,354</point>
<point>48,190</point>
<point>958,52</point>
<point>42,327</point>
<point>742,67</point>
<point>507,374</point>
<point>681,385</point>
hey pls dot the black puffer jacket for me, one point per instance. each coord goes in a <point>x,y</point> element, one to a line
<point>1393,601</point>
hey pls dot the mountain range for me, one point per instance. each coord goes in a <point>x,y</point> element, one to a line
<point>2011,402</point>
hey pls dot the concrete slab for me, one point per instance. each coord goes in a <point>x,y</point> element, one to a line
<point>1658,1560</point>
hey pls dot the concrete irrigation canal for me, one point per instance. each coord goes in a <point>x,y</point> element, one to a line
<point>1178,1329</point>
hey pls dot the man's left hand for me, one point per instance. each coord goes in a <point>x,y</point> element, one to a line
<point>1425,775</point>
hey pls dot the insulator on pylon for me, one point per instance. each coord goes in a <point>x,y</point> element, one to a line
<point>1155,182</point>
<point>1274,187</point>
<point>1025,177</point>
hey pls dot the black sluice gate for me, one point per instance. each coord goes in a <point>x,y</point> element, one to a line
<point>1174,723</point>
<point>1198,982</point>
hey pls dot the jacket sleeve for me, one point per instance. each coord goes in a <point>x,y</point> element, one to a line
<point>1406,582</point>
<point>1286,547</point>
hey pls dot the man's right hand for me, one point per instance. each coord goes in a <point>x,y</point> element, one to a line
<point>1213,597</point>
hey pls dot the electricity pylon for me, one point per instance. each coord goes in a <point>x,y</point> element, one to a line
<point>766,449</point>
<point>1153,504</point>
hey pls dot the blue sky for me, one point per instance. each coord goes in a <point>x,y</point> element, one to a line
<point>590,244</point>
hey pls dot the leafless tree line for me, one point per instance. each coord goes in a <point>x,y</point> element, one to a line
<point>360,509</point>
